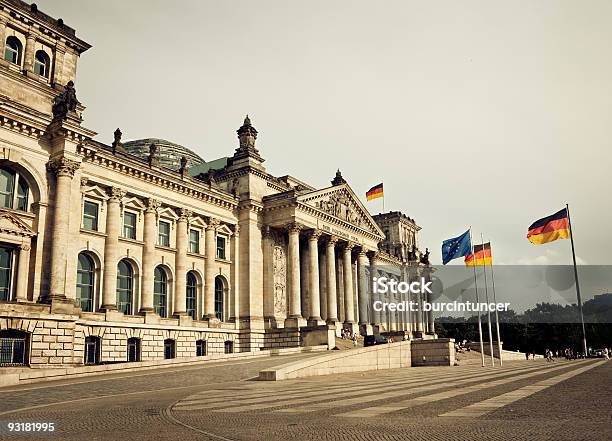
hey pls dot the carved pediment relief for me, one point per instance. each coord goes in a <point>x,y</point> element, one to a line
<point>342,203</point>
<point>11,224</point>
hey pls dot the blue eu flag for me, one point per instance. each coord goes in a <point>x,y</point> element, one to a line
<point>456,247</point>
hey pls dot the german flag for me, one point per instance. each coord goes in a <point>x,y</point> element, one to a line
<point>375,192</point>
<point>481,256</point>
<point>549,228</point>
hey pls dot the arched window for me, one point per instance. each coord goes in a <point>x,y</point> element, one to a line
<point>169,348</point>
<point>12,50</point>
<point>228,347</point>
<point>125,287</point>
<point>160,291</point>
<point>42,63</point>
<point>14,348</point>
<point>11,195</point>
<point>92,350</point>
<point>6,272</point>
<point>85,282</point>
<point>191,288</point>
<point>133,349</point>
<point>219,294</point>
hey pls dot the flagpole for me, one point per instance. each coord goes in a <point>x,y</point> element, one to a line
<point>501,361</point>
<point>482,358</point>
<point>584,342</point>
<point>484,269</point>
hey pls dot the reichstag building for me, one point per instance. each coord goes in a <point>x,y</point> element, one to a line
<point>143,250</point>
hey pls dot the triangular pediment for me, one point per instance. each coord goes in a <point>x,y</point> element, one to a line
<point>13,225</point>
<point>341,202</point>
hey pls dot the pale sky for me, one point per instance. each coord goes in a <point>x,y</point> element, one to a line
<point>484,113</point>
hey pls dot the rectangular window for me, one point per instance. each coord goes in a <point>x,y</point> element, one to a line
<point>129,225</point>
<point>194,241</point>
<point>90,216</point>
<point>220,247</point>
<point>164,234</point>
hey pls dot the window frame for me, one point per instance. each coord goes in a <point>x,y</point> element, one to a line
<point>201,348</point>
<point>223,255</point>
<point>46,64</point>
<point>14,195</point>
<point>191,295</point>
<point>160,235</point>
<point>158,307</point>
<point>136,343</point>
<point>18,51</point>
<point>172,345</point>
<point>87,216</point>
<point>10,270</point>
<point>129,291</point>
<point>126,214</point>
<point>78,298</point>
<point>219,313</point>
<point>96,342</point>
<point>228,344</point>
<point>196,242</point>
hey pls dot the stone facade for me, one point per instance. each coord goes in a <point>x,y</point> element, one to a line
<point>106,255</point>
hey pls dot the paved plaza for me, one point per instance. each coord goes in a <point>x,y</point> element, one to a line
<point>523,400</point>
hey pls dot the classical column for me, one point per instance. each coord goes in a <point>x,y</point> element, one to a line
<point>293,263</point>
<point>313,273</point>
<point>428,298</point>
<point>180,280</point>
<point>148,254</point>
<point>209,273</point>
<point>419,299</point>
<point>375,319</point>
<point>349,313</point>
<point>323,284</point>
<point>23,269</point>
<point>267,245</point>
<point>332,305</point>
<point>111,248</point>
<point>234,289</point>
<point>363,284</point>
<point>64,170</point>
<point>28,57</point>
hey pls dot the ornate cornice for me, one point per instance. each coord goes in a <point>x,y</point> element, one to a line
<point>161,178</point>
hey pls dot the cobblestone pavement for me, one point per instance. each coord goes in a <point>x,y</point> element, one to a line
<point>532,400</point>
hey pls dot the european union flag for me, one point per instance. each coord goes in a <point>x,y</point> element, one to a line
<point>456,247</point>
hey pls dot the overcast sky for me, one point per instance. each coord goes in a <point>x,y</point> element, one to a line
<point>483,113</point>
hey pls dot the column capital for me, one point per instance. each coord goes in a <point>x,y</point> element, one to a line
<point>236,230</point>
<point>314,235</point>
<point>152,205</point>
<point>372,255</point>
<point>348,246</point>
<point>213,223</point>
<point>115,194</point>
<point>294,227</point>
<point>332,241</point>
<point>63,167</point>
<point>184,215</point>
<point>25,247</point>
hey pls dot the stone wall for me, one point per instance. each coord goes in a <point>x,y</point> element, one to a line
<point>438,352</point>
<point>388,356</point>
